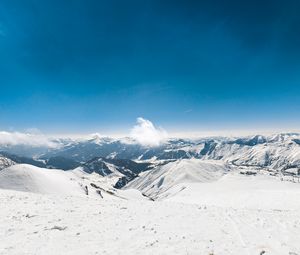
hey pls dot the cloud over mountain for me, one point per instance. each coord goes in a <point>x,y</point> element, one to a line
<point>145,133</point>
<point>18,138</point>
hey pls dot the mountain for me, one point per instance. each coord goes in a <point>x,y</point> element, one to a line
<point>125,169</point>
<point>126,148</point>
<point>156,183</point>
<point>279,152</point>
<point>126,159</point>
<point>53,162</point>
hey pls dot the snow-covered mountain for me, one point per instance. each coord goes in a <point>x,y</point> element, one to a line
<point>125,169</point>
<point>279,152</point>
<point>156,183</point>
<point>127,159</point>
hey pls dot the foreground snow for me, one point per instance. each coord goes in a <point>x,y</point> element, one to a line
<point>49,224</point>
<point>238,191</point>
<point>234,215</point>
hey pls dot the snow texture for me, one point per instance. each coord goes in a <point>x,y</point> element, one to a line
<point>216,213</point>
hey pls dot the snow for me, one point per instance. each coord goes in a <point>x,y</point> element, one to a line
<point>259,192</point>
<point>215,213</point>
<point>156,183</point>
<point>133,194</point>
<point>34,179</point>
<point>50,224</point>
<point>277,153</point>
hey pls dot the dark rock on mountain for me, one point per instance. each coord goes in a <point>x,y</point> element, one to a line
<point>125,168</point>
<point>106,166</point>
<point>62,163</point>
<point>97,165</point>
<point>122,182</point>
<point>258,139</point>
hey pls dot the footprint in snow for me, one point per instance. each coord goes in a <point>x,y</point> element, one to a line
<point>56,228</point>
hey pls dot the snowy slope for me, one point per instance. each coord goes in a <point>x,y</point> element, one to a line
<point>158,181</point>
<point>238,191</point>
<point>29,178</point>
<point>33,179</point>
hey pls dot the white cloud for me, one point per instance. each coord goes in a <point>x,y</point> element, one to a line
<point>145,133</point>
<point>17,138</point>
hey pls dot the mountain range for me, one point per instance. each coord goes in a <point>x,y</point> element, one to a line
<point>127,159</point>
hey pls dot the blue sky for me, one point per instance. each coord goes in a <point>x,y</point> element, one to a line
<point>89,65</point>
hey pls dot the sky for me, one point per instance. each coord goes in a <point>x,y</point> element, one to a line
<point>96,66</point>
